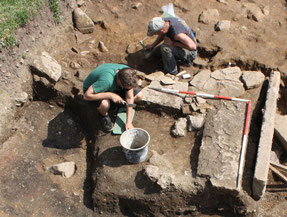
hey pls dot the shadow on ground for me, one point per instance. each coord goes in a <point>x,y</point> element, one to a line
<point>77,127</point>
<point>138,61</point>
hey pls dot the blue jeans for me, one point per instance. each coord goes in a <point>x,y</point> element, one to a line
<point>170,55</point>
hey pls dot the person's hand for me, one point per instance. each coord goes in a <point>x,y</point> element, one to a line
<point>129,126</point>
<point>116,98</point>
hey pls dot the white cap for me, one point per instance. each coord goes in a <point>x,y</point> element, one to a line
<point>155,25</point>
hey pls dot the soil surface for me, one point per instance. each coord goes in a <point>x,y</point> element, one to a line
<point>47,130</point>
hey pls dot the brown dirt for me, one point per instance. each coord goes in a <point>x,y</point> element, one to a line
<point>42,136</point>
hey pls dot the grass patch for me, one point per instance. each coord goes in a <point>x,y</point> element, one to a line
<point>14,14</point>
<point>54,6</point>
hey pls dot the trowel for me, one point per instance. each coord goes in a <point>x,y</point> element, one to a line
<point>129,105</point>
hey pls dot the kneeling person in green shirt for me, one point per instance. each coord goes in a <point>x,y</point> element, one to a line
<point>110,82</point>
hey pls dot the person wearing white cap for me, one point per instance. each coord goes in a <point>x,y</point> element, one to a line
<point>179,42</point>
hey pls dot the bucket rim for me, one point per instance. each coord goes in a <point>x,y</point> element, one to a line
<point>136,149</point>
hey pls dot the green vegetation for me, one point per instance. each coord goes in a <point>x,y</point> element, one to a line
<point>54,6</point>
<point>13,14</point>
<point>16,13</point>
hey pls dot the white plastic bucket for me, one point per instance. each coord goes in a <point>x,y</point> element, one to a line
<point>135,144</point>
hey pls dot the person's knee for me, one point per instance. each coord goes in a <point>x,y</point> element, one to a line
<point>165,48</point>
<point>166,51</point>
<point>138,97</point>
<point>105,105</point>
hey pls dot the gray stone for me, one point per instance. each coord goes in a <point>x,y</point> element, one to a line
<point>222,1</point>
<point>222,25</point>
<point>194,107</point>
<point>188,99</point>
<point>266,137</point>
<point>200,79</point>
<point>161,171</point>
<point>75,65</point>
<point>253,11</point>
<point>281,129</point>
<point>199,100</point>
<point>161,99</point>
<point>21,98</point>
<point>179,128</point>
<point>66,169</point>
<point>47,67</point>
<point>164,180</point>
<point>209,16</point>
<point>221,144</point>
<point>252,79</point>
<point>84,53</point>
<point>102,47</point>
<point>224,82</point>
<point>83,22</point>
<point>156,76</point>
<point>137,5</point>
<point>167,81</point>
<point>195,122</point>
<point>230,74</point>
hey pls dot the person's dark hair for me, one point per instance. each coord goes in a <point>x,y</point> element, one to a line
<point>128,77</point>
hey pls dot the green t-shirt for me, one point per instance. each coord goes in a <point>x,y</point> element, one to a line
<point>103,78</point>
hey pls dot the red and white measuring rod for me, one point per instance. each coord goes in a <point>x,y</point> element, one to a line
<point>243,146</point>
<point>201,94</point>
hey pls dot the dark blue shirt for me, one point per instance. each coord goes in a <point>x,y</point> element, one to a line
<point>176,27</point>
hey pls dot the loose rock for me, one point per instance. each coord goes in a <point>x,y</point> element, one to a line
<point>222,25</point>
<point>46,66</point>
<point>66,169</point>
<point>83,23</point>
<point>102,47</point>
<point>252,79</point>
<point>209,16</point>
<point>179,128</point>
<point>21,98</point>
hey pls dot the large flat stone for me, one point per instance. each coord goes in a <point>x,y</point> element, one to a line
<point>164,99</point>
<point>221,144</point>
<point>252,79</point>
<point>46,66</point>
<point>224,82</point>
<point>266,137</point>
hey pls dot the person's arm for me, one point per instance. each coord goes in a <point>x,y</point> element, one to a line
<point>183,41</point>
<point>156,42</point>
<point>90,95</point>
<point>130,100</point>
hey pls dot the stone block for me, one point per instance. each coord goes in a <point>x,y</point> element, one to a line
<point>266,137</point>
<point>221,144</point>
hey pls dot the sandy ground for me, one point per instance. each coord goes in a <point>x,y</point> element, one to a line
<point>43,134</point>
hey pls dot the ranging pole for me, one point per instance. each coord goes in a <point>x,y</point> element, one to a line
<point>243,146</point>
<point>199,94</point>
<point>244,140</point>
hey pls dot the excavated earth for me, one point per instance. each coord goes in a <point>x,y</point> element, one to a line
<point>55,125</point>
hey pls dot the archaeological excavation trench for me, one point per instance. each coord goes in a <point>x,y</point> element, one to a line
<point>189,169</point>
<point>195,147</point>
